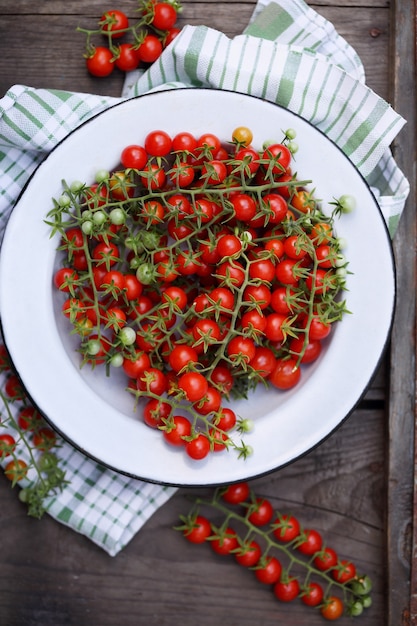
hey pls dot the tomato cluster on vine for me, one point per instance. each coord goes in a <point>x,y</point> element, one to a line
<point>203,268</point>
<point>27,444</point>
<point>293,561</point>
<point>131,43</point>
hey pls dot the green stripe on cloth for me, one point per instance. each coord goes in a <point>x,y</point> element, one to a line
<point>271,23</point>
<point>192,56</point>
<point>287,82</point>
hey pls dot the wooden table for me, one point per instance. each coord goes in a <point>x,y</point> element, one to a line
<point>356,488</point>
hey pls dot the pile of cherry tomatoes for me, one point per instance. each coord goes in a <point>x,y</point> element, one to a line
<point>203,268</point>
<point>128,44</point>
<point>292,561</point>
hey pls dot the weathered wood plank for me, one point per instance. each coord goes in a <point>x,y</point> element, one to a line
<point>61,66</point>
<point>401,538</point>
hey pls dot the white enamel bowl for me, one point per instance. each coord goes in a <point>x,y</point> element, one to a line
<point>94,412</point>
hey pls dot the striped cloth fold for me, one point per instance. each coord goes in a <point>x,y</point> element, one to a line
<point>288,54</point>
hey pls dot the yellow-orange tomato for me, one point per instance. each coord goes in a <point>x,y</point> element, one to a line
<point>302,201</point>
<point>16,470</point>
<point>242,135</point>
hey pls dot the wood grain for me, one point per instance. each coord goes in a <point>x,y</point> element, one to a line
<point>356,487</point>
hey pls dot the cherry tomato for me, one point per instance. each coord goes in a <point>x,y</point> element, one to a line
<point>279,156</point>
<point>209,142</point>
<point>44,439</point>
<point>155,412</point>
<point>242,135</point>
<point>16,470</point>
<point>170,36</point>
<point>274,327</point>
<point>262,269</point>
<point>177,431</point>
<point>236,493</point>
<point>286,272</point>
<point>4,359</point>
<point>182,174</point>
<point>344,571</point>
<point>226,543</point>
<point>127,58</point>
<point>29,418</point>
<point>152,380</point>
<point>312,595</point>
<point>262,512</point>
<point>150,49</point>
<point>136,364</point>
<point>286,528</point>
<point>310,351</point>
<point>181,355</point>
<point>134,156</point>
<point>73,239</point>
<point>184,142</point>
<point>249,555</point>
<point>270,572</point>
<point>158,143</point>
<point>318,329</point>
<point>321,233</point>
<point>132,287</point>
<point>106,254</point>
<point>175,295</point>
<point>295,247</point>
<point>222,378</point>
<point>286,374</point>
<point>164,16</point>
<point>100,62</point>
<point>199,531</point>
<point>281,300</point>
<point>231,273</point>
<point>250,160</point>
<point>244,207</point>
<point>223,298</point>
<point>206,330</point>
<point>214,172</point>
<point>263,362</point>
<point>287,590</point>
<point>194,385</point>
<point>113,21</point>
<point>13,387</point>
<point>326,559</point>
<point>241,348</point>
<point>198,448</point>
<point>303,201</point>
<point>275,207</point>
<point>311,542</point>
<point>7,445</point>
<point>210,403</point>
<point>259,295</point>
<point>65,278</point>
<point>229,245</point>
<point>333,608</point>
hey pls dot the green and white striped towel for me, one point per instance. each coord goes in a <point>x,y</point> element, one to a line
<point>288,54</point>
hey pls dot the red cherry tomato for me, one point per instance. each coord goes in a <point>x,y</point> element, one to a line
<point>100,62</point>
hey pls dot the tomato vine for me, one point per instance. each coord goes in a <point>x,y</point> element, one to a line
<point>126,44</point>
<point>27,445</point>
<point>195,267</point>
<point>293,561</point>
